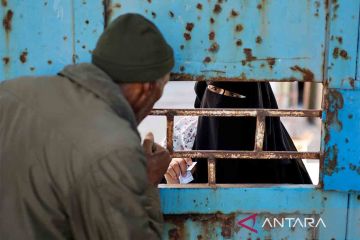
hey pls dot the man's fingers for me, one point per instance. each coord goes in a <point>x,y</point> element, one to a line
<point>148,143</point>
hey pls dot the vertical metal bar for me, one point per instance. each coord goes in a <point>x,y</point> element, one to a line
<point>170,133</point>
<point>211,170</point>
<point>260,132</point>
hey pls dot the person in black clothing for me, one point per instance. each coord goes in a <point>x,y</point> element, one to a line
<point>238,133</point>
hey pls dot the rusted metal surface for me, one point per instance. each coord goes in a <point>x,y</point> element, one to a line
<point>170,133</point>
<point>252,37</point>
<point>246,154</point>
<point>7,21</point>
<point>215,213</point>
<point>341,137</point>
<point>237,112</point>
<point>343,42</point>
<point>211,170</point>
<point>260,132</point>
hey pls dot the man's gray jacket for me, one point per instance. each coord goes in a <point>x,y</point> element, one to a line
<point>71,161</point>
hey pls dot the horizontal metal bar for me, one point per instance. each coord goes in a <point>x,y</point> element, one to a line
<point>238,185</point>
<point>246,154</point>
<point>177,77</point>
<point>236,112</point>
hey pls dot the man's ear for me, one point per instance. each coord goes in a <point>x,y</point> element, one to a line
<point>145,91</point>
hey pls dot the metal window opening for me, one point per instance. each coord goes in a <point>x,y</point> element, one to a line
<point>257,153</point>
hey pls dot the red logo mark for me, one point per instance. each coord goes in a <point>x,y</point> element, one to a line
<point>253,217</point>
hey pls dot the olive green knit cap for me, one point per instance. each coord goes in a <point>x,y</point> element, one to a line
<point>132,49</point>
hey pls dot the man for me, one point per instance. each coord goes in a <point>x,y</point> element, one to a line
<point>72,165</point>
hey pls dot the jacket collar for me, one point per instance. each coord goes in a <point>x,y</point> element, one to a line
<point>98,82</point>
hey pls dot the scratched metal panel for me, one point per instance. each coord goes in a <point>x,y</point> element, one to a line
<point>343,44</point>
<point>36,37</point>
<point>341,140</point>
<point>353,222</point>
<point>215,213</point>
<point>239,39</point>
<point>89,24</point>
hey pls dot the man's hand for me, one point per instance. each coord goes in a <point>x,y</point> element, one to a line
<point>177,167</point>
<point>158,159</point>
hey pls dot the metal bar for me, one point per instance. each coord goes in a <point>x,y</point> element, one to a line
<point>170,133</point>
<point>211,171</point>
<point>246,154</point>
<point>260,132</point>
<point>239,185</point>
<point>237,112</point>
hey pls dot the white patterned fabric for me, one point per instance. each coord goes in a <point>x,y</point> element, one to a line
<point>184,133</point>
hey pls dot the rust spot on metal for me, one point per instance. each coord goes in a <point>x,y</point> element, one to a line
<point>339,39</point>
<point>149,1</point>
<point>23,56</point>
<point>207,60</point>
<point>238,43</point>
<point>117,5</point>
<point>49,62</point>
<point>334,102</point>
<point>352,83</point>
<point>227,227</point>
<point>171,14</point>
<point>7,20</point>
<point>234,13</point>
<point>327,137</point>
<point>181,47</point>
<point>187,36</point>
<point>258,40</point>
<point>217,9</point>
<point>271,62</point>
<point>199,237</point>
<point>199,6</point>
<point>332,155</point>
<point>182,68</point>
<point>153,14</point>
<point>174,234</point>
<point>4,3</point>
<point>248,54</point>
<point>32,69</point>
<point>189,26</point>
<point>6,60</point>
<point>259,6</point>
<point>350,116</point>
<point>212,21</point>
<point>308,75</point>
<point>65,38</point>
<point>214,47</point>
<point>336,52</point>
<point>344,54</point>
<point>352,167</point>
<point>87,22</point>
<point>239,28</point>
<point>211,36</point>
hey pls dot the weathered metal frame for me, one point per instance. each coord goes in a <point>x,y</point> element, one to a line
<point>257,153</point>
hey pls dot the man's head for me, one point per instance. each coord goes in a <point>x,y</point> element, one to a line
<point>133,52</point>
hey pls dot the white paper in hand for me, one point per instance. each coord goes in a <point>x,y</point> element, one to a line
<point>188,177</point>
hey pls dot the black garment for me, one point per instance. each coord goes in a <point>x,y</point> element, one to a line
<point>238,133</point>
